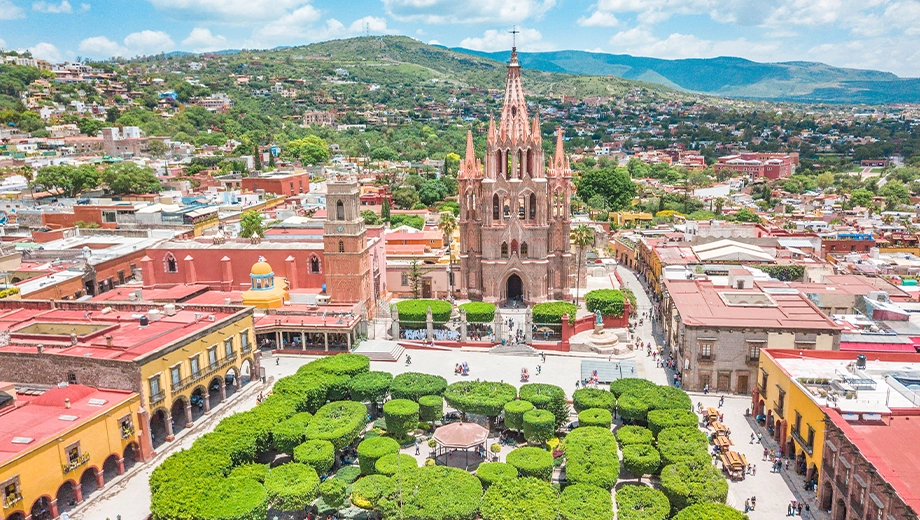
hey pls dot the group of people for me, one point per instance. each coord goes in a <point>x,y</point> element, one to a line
<point>796,507</point>
<point>461,369</point>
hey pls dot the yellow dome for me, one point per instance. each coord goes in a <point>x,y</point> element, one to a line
<point>261,267</point>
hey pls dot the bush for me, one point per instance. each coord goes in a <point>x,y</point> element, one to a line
<point>338,422</point>
<point>479,312</point>
<point>610,302</point>
<point>688,483</point>
<point>710,511</point>
<point>547,397</point>
<point>670,398</point>
<point>434,493</point>
<point>413,312</point>
<point>210,498</point>
<point>514,414</point>
<point>627,435</point>
<point>552,312</point>
<point>290,433</point>
<point>291,487</point>
<point>674,418</point>
<point>183,464</point>
<point>401,416</point>
<point>539,426</point>
<point>634,405</point>
<point>394,463</point>
<point>479,397</point>
<point>583,502</point>
<point>621,386</point>
<point>318,454</point>
<point>683,445</point>
<point>308,393</point>
<point>413,385</point>
<point>589,457</point>
<point>491,472</point>
<point>348,474</point>
<point>641,503</point>
<point>532,462</point>
<point>522,499</point>
<point>641,459</point>
<point>339,364</point>
<point>371,450</point>
<point>334,492</point>
<point>595,417</point>
<point>585,398</point>
<point>367,491</point>
<point>431,408</point>
<point>241,447</point>
<point>370,387</point>
<point>250,471</point>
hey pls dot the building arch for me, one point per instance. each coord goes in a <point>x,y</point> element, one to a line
<point>496,207</point>
<point>231,381</point>
<point>42,508</point>
<point>532,207</point>
<point>110,467</point>
<point>130,455</point>
<point>315,265</point>
<point>179,416</point>
<point>525,251</point>
<point>66,497</point>
<point>339,210</point>
<point>513,286</point>
<point>214,393</point>
<point>504,250</point>
<point>17,515</point>
<point>198,398</point>
<point>88,482</point>
<point>341,246</point>
<point>160,428</point>
<point>246,371</point>
<point>170,264</point>
<point>514,247</point>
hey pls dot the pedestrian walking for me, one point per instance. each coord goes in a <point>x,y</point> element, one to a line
<point>747,505</point>
<point>753,502</point>
<point>721,401</point>
<point>706,389</point>
<point>801,507</point>
<point>754,470</point>
<point>417,452</point>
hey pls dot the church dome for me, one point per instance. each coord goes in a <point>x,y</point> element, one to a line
<point>261,268</point>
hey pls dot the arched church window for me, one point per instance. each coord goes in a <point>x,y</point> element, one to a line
<point>533,206</point>
<point>521,164</point>
<point>525,252</point>
<point>504,249</point>
<point>509,167</point>
<point>170,264</point>
<point>339,211</point>
<point>495,207</point>
<point>507,207</point>
<point>514,247</point>
<point>341,246</point>
<point>521,207</point>
<point>513,111</point>
<point>314,265</point>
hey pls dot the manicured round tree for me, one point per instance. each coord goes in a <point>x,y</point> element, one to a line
<point>627,435</point>
<point>334,492</point>
<point>595,417</point>
<point>318,454</point>
<point>394,463</point>
<point>346,364</point>
<point>697,482</point>
<point>671,418</point>
<point>433,493</point>
<point>401,416</point>
<point>369,387</point>
<point>251,471</point>
<point>586,398</point>
<point>539,426</point>
<point>367,491</point>
<point>621,386</point>
<point>682,445</point>
<point>371,450</point>
<point>584,502</point>
<point>211,498</point>
<point>520,499</point>
<point>641,459</point>
<point>308,392</point>
<point>291,487</point>
<point>480,397</point>
<point>547,397</point>
<point>491,472</point>
<point>336,385</point>
<point>431,408</point>
<point>182,464</point>
<point>532,462</point>
<point>413,385</point>
<point>670,398</point>
<point>338,422</point>
<point>710,511</point>
<point>589,457</point>
<point>641,503</point>
<point>413,314</point>
<point>514,414</point>
<point>633,405</point>
<point>290,433</point>
<point>610,302</point>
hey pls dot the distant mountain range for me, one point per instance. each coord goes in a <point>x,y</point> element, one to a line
<point>797,81</point>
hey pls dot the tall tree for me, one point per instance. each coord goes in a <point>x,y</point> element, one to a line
<point>614,185</point>
<point>258,156</point>
<point>69,180</point>
<point>385,210</point>
<point>251,224</point>
<point>127,177</point>
<point>582,237</point>
<point>416,276</point>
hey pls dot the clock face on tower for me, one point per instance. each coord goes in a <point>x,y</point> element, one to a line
<point>340,229</point>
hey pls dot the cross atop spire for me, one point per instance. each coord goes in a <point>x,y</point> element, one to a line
<point>514,32</point>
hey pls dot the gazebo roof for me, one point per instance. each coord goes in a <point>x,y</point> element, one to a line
<point>460,435</point>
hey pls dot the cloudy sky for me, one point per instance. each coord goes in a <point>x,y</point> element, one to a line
<point>876,34</point>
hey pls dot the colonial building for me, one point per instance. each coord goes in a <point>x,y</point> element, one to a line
<point>514,210</point>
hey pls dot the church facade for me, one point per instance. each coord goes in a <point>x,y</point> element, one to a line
<point>515,210</point>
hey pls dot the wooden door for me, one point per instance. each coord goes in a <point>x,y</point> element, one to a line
<point>743,384</point>
<point>724,382</point>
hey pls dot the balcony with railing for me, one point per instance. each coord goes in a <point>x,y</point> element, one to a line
<point>809,449</point>
<point>841,483</point>
<point>778,409</point>
<point>11,499</point>
<point>75,463</point>
<point>190,380</point>
<point>157,397</point>
<point>127,431</point>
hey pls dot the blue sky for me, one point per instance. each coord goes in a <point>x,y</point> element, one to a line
<point>876,34</point>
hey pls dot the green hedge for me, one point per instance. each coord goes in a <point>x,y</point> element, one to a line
<point>688,483</point>
<point>210,498</point>
<point>641,503</point>
<point>186,463</point>
<point>479,312</point>
<point>634,405</point>
<point>595,417</point>
<point>670,398</point>
<point>339,364</point>
<point>610,302</point>
<point>479,397</point>
<point>641,459</point>
<point>675,418</point>
<point>348,474</point>
<point>547,397</point>
<point>584,502</point>
<point>682,445</point>
<point>240,447</point>
<point>250,471</point>
<point>290,433</point>
<point>401,416</point>
<point>585,398</point>
<point>291,487</point>
<point>521,499</point>
<point>589,457</point>
<point>532,462</point>
<point>339,423</point>
<point>491,472</point>
<point>394,463</point>
<point>318,454</point>
<point>514,414</point>
<point>372,450</point>
<point>368,491</point>
<point>434,493</point>
<point>627,435</point>
<point>413,312</point>
<point>621,386</point>
<point>431,408</point>
<point>710,511</point>
<point>308,392</point>
<point>334,492</point>
<point>552,312</point>
<point>413,385</point>
<point>370,387</point>
<point>539,426</point>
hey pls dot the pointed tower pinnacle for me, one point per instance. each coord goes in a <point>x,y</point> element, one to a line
<point>491,129</point>
<point>559,158</point>
<point>514,121</point>
<point>535,131</point>
<point>467,168</point>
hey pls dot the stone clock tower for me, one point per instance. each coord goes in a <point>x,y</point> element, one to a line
<point>346,250</point>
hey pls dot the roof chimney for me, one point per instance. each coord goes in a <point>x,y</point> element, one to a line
<point>108,340</point>
<point>67,403</point>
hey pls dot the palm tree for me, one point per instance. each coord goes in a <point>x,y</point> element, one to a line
<point>582,236</point>
<point>448,224</point>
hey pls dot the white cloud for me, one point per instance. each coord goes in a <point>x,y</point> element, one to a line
<point>46,51</point>
<point>237,11</point>
<point>640,41</point>
<point>136,43</point>
<point>293,25</point>
<point>435,42</point>
<point>101,47</point>
<point>479,11</point>
<point>48,7</point>
<point>85,7</point>
<point>599,19</point>
<point>10,11</point>
<point>201,40</point>
<point>299,26</point>
<point>494,40</point>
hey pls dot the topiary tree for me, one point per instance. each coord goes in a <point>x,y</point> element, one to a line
<point>413,385</point>
<point>434,493</point>
<point>621,386</point>
<point>688,483</point>
<point>480,397</point>
<point>520,499</point>
<point>710,511</point>
<point>339,423</point>
<point>532,462</point>
<point>307,392</point>
<point>334,492</point>
<point>641,459</point>
<point>371,450</point>
<point>394,463</point>
<point>634,405</point>
<point>291,487</point>
<point>318,454</point>
<point>539,426</point>
<point>584,502</point>
<point>682,445</point>
<point>585,398</point>
<point>670,398</point>
<point>491,472</point>
<point>370,387</point>
<point>340,364</point>
<point>479,312</point>
<point>588,457</point>
<point>641,503</point>
<point>552,312</point>
<point>431,408</point>
<point>610,302</point>
<point>251,471</point>
<point>673,418</point>
<point>401,416</point>
<point>595,417</point>
<point>194,461</point>
<point>208,497</point>
<point>547,397</point>
<point>290,433</point>
<point>413,314</point>
<point>514,414</point>
<point>627,435</point>
<point>367,491</point>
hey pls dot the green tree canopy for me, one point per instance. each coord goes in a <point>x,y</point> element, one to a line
<point>70,180</point>
<point>251,224</point>
<point>614,185</point>
<point>129,178</point>
<point>310,150</point>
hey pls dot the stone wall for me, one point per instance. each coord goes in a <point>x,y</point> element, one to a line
<point>50,369</point>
